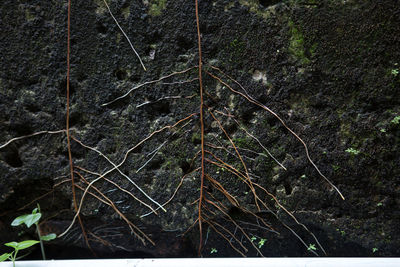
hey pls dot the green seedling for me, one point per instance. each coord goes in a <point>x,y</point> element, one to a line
<point>17,247</point>
<point>33,219</point>
<point>311,247</point>
<point>353,151</point>
<point>261,242</point>
<point>213,250</point>
<point>396,120</point>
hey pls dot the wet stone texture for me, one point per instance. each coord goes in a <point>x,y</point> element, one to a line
<point>330,69</point>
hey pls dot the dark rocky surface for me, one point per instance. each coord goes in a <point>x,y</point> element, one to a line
<point>330,69</point>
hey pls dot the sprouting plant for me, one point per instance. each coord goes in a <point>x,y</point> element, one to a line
<point>395,72</point>
<point>17,247</point>
<point>253,238</point>
<point>213,250</point>
<point>29,220</point>
<point>352,151</point>
<point>396,120</point>
<point>261,242</point>
<point>374,250</point>
<point>335,167</point>
<point>303,176</point>
<point>311,247</point>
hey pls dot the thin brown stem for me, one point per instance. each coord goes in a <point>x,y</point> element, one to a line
<point>202,126</point>
<point>71,165</point>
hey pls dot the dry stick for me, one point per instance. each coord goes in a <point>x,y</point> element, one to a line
<point>146,83</point>
<point>173,195</point>
<point>110,203</point>
<point>201,124</point>
<point>301,240</point>
<point>252,100</point>
<point>30,135</point>
<point>243,178</point>
<point>154,154</point>
<point>220,188</point>
<point>80,206</point>
<point>71,165</point>
<point>126,36</point>
<point>230,218</point>
<point>211,224</point>
<point>228,167</point>
<point>164,98</point>
<point>116,185</point>
<point>123,174</point>
<point>255,138</point>
<point>155,151</point>
<point>290,214</point>
<point>261,227</point>
<point>234,201</point>
<point>147,138</point>
<point>232,235</point>
<point>240,157</point>
<point>100,240</point>
<point>117,166</point>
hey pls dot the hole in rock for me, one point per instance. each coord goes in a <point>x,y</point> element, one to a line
<point>120,74</point>
<point>12,158</point>
<point>185,166</point>
<point>267,3</point>
<point>288,189</point>
<point>101,28</point>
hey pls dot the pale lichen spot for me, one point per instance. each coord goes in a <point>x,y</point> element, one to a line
<point>259,75</point>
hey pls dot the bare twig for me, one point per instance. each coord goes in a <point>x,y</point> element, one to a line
<point>173,195</point>
<point>118,187</point>
<point>123,174</point>
<point>163,98</point>
<point>30,135</point>
<point>146,83</point>
<point>126,36</point>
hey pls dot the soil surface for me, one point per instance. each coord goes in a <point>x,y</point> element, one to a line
<point>329,69</point>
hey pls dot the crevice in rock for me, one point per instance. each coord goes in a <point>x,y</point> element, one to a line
<point>12,158</point>
<point>267,3</point>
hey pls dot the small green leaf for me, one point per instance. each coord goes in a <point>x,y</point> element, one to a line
<point>311,247</point>
<point>28,219</point>
<point>261,242</point>
<point>396,120</point>
<point>26,244</point>
<point>22,245</point>
<point>19,220</point>
<point>213,250</point>
<point>48,237</point>
<point>5,256</point>
<point>352,151</point>
<point>12,244</point>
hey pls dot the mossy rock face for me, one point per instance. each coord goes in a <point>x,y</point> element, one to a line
<point>329,68</point>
